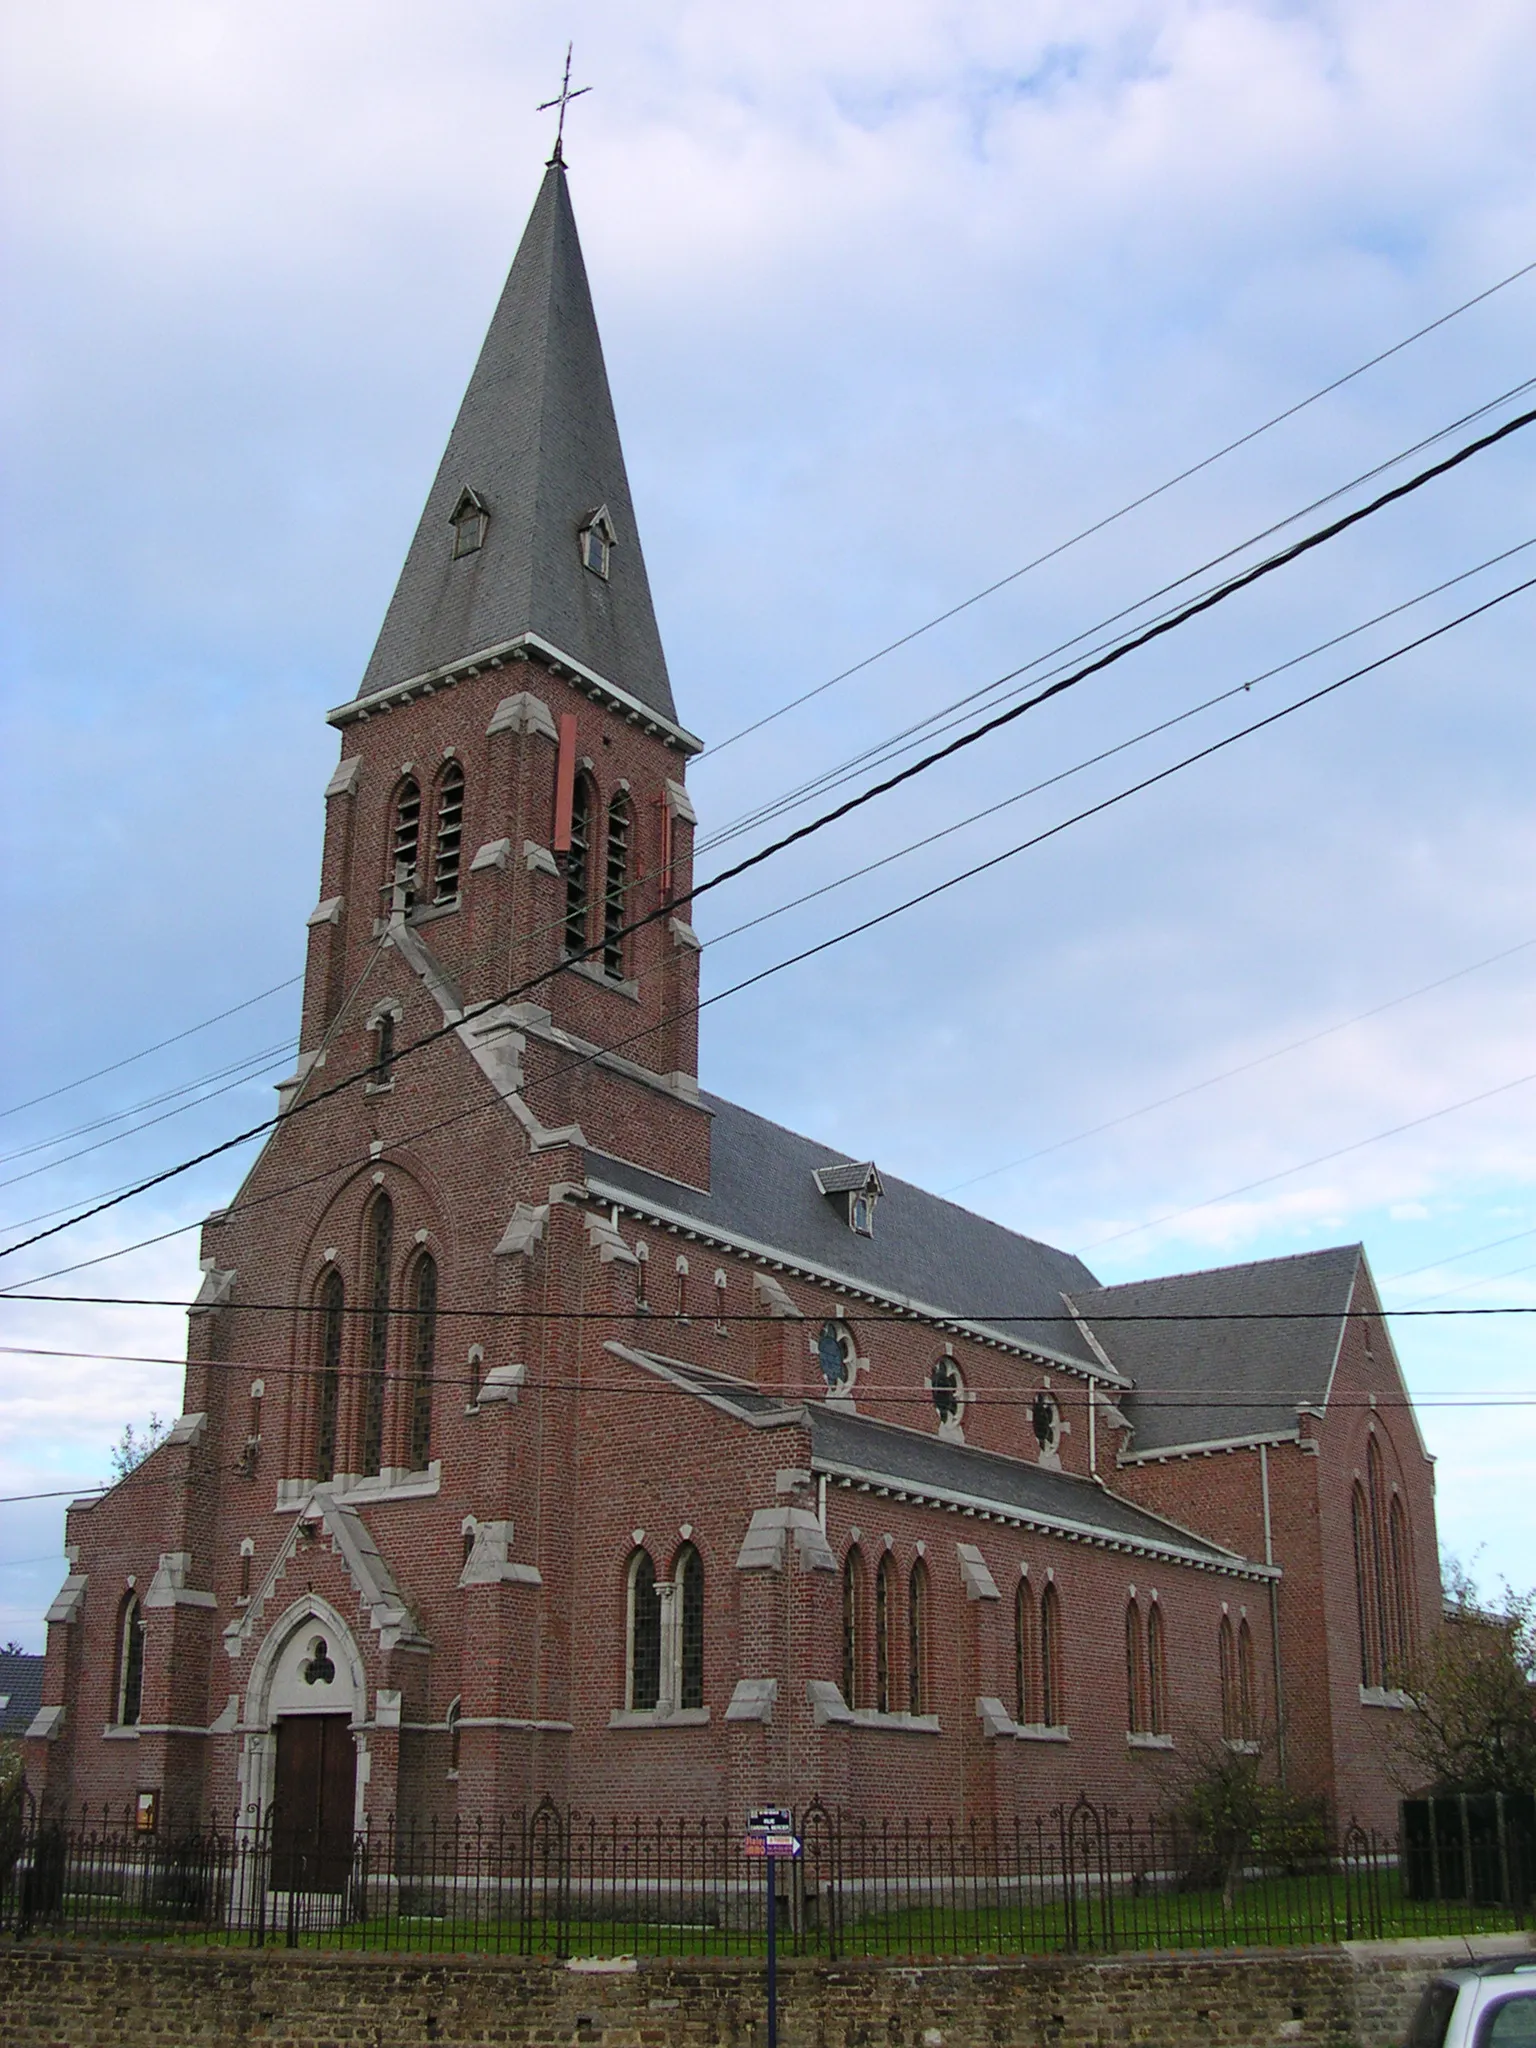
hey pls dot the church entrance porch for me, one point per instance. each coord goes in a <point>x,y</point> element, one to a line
<point>313,1802</point>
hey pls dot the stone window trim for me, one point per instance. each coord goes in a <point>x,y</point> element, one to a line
<point>1386,1696</point>
<point>384,1020</point>
<point>596,539</point>
<point>832,1710</point>
<point>1242,1746</point>
<point>659,1717</point>
<point>1143,1738</point>
<point>997,1723</point>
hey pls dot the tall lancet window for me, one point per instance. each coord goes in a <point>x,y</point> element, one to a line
<point>328,1377</point>
<point>616,887</point>
<point>578,867</point>
<point>423,1350</point>
<point>381,1235</point>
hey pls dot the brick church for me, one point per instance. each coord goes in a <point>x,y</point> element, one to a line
<point>554,1427</point>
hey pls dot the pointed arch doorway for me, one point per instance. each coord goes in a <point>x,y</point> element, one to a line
<point>311,1702</point>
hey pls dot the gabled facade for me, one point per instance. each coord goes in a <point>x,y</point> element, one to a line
<point>555,1427</point>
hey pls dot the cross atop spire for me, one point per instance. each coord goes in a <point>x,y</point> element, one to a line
<point>562,100</point>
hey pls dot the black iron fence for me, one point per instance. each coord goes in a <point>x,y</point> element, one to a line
<point>553,1882</point>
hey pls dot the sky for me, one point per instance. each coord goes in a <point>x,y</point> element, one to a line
<point>894,300</point>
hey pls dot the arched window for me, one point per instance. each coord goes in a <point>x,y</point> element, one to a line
<point>1247,1696</point>
<point>1157,1671</point>
<point>1400,1570</point>
<point>1226,1654</point>
<point>689,1578</point>
<point>917,1639</point>
<point>455,1715</point>
<point>1135,1690</point>
<point>853,1628</point>
<point>644,1634</point>
<point>1053,1691</point>
<point>616,887</point>
<point>1026,1657</point>
<point>328,1377</point>
<point>1360,1537</point>
<point>578,867</point>
<point>423,1350</point>
<point>381,1244</point>
<point>885,1598</point>
<point>447,840</point>
<point>129,1700</point>
<point>1375,1490</point>
<point>405,847</point>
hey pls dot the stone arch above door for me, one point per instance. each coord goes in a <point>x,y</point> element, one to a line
<point>308,1664</point>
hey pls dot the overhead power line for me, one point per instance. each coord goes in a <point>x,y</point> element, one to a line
<point>948,716</point>
<point>1093,760</point>
<point>160,1045</point>
<point>1239,582</point>
<point>808,952</point>
<point>1135,505</point>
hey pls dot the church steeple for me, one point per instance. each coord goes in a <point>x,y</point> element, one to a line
<point>528,528</point>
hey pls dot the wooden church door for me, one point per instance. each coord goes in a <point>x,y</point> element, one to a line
<point>313,1803</point>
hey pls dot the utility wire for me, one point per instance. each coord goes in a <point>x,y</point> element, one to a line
<point>1123,512</point>
<point>1322,1159</point>
<point>175,1039</point>
<point>946,717</point>
<point>809,952</point>
<point>1093,760</point>
<point>1202,604</point>
<point>1135,504</point>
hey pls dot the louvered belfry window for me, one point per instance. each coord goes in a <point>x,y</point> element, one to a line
<point>448,842</point>
<point>616,887</point>
<point>576,867</point>
<point>406,845</point>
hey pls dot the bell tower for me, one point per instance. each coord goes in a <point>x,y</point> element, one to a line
<point>511,795</point>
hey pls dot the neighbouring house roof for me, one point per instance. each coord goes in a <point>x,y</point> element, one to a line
<point>537,443</point>
<point>1204,1380</point>
<point>763,1192</point>
<point>21,1691</point>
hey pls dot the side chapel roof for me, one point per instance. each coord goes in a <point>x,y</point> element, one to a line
<point>537,443</point>
<point>1205,1381</point>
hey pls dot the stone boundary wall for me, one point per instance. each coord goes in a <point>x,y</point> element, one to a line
<point>1360,1995</point>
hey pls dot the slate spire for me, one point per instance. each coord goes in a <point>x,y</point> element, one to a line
<point>537,445</point>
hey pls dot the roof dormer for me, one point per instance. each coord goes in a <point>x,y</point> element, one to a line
<point>853,1188</point>
<point>468,519</point>
<point>597,536</point>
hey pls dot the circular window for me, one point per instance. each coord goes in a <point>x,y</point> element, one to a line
<point>948,1391</point>
<point>835,1354</point>
<point>1045,1419</point>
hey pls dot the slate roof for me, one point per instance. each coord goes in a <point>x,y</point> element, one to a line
<point>852,1445</point>
<point>924,1249</point>
<point>537,440</point>
<point>1231,1379</point>
<point>906,1458</point>
<point>21,1691</point>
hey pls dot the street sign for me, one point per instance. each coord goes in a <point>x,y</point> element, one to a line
<point>770,1820</point>
<point>783,1846</point>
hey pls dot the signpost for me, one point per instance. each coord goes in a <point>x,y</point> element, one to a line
<point>771,1836</point>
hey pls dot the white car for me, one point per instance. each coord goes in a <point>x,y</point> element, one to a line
<point>1490,2004</point>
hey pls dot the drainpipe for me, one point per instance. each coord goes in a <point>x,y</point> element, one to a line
<point>1274,1615</point>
